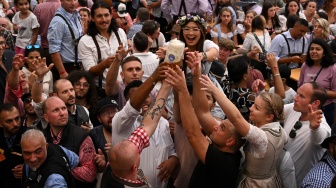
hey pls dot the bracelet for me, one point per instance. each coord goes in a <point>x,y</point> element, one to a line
<point>64,71</point>
<point>39,81</point>
<point>204,56</point>
<point>274,75</point>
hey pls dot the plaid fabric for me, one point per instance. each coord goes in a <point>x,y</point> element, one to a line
<point>140,138</point>
<point>321,174</point>
<point>56,139</point>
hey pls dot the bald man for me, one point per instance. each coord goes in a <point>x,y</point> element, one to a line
<point>124,157</point>
<point>46,165</point>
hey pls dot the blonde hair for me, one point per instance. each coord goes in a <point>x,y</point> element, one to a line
<point>274,105</point>
<point>325,27</point>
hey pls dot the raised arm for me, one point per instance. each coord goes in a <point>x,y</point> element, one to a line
<point>189,120</point>
<point>153,114</point>
<point>144,90</point>
<point>112,83</point>
<point>13,76</point>
<point>278,85</point>
<point>202,111</point>
<point>41,69</point>
<point>230,110</point>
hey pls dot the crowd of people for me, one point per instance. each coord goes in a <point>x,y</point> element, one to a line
<point>88,99</point>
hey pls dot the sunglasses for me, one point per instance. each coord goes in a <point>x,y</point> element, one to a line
<point>296,127</point>
<point>30,46</point>
<point>27,100</point>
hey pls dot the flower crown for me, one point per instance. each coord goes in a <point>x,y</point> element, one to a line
<point>196,18</point>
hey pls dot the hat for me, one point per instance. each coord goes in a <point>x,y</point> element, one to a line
<point>217,69</point>
<point>227,43</point>
<point>176,29</point>
<point>325,143</point>
<point>105,102</point>
<point>244,2</point>
<point>121,10</point>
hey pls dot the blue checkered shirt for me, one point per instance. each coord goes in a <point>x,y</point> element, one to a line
<point>321,175</point>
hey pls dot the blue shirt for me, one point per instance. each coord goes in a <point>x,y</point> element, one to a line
<point>321,175</point>
<point>279,46</point>
<point>59,36</point>
<point>56,180</point>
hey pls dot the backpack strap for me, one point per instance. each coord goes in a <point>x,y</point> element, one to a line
<point>72,35</point>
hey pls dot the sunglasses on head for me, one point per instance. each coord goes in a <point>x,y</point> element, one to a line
<point>27,100</point>
<point>297,126</point>
<point>30,46</point>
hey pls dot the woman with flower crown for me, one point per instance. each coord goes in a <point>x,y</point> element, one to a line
<point>224,27</point>
<point>193,35</point>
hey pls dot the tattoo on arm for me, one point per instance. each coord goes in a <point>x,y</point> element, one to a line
<point>156,107</point>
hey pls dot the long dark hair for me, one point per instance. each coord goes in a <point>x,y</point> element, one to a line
<point>328,57</point>
<point>91,96</point>
<point>199,46</point>
<point>286,7</point>
<point>257,23</point>
<point>92,29</point>
<point>264,12</point>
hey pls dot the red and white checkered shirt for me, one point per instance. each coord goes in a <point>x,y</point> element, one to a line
<point>140,138</point>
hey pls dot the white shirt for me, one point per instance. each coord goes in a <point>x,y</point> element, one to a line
<point>88,53</point>
<point>305,148</point>
<point>250,41</point>
<point>161,144</point>
<point>290,94</point>
<point>149,63</point>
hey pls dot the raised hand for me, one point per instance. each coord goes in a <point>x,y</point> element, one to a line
<point>271,60</point>
<point>161,53</point>
<point>207,84</point>
<point>41,67</point>
<point>176,79</point>
<point>314,117</point>
<point>194,63</point>
<point>159,73</point>
<point>121,53</point>
<point>18,62</point>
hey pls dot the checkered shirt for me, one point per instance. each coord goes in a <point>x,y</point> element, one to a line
<point>140,138</point>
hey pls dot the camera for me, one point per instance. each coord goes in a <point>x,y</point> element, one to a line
<point>262,56</point>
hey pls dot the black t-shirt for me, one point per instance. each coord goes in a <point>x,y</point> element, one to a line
<point>220,169</point>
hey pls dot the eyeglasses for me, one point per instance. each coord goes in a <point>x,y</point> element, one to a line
<point>79,84</point>
<point>27,100</point>
<point>28,47</point>
<point>188,30</point>
<point>108,113</point>
<point>296,127</point>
